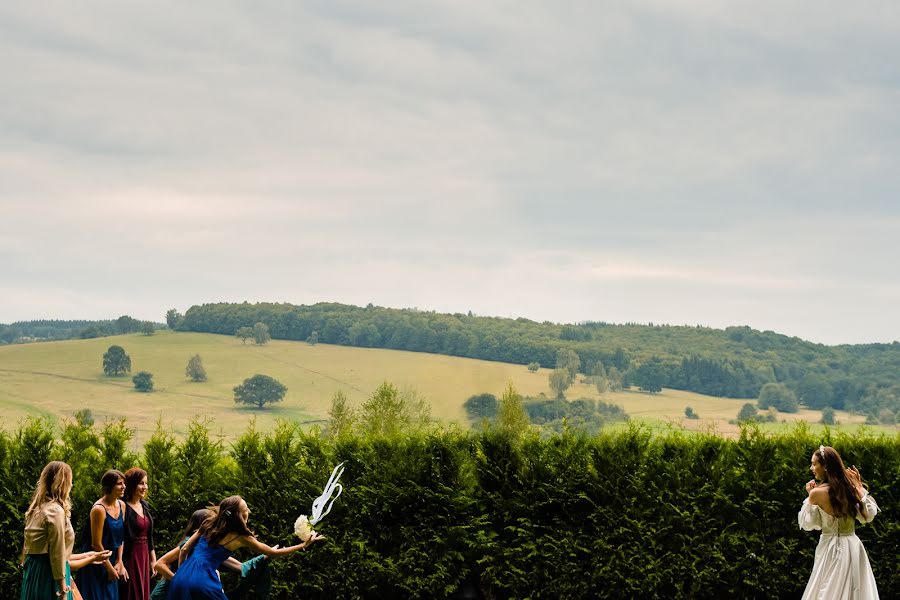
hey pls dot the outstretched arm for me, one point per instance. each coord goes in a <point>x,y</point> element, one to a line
<point>258,546</point>
<point>78,561</point>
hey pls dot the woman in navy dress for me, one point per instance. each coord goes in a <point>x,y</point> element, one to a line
<point>106,532</point>
<point>221,534</point>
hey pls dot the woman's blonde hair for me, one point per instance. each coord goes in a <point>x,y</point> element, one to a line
<point>53,485</point>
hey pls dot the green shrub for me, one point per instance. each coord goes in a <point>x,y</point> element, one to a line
<point>619,515</point>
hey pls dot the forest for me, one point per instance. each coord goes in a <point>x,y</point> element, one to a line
<point>735,362</point>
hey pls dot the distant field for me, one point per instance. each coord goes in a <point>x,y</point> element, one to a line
<point>58,378</point>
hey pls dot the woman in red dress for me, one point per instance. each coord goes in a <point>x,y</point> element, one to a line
<point>139,556</point>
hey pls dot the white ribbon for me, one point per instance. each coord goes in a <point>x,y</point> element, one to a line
<point>322,502</point>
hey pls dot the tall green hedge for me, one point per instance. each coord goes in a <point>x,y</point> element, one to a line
<point>621,515</point>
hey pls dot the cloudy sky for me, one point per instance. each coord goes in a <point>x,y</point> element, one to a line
<point>691,162</point>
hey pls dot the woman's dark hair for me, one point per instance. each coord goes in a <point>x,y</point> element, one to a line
<point>845,501</point>
<point>133,478</point>
<point>226,521</point>
<point>197,520</point>
<point>110,479</point>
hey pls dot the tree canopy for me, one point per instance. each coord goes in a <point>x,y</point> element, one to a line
<point>115,361</point>
<point>259,390</point>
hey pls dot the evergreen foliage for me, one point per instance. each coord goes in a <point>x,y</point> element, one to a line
<point>623,514</point>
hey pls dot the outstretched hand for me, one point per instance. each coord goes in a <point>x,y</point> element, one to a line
<point>855,478</point>
<point>311,539</point>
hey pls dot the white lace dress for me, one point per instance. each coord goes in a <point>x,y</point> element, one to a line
<point>841,570</point>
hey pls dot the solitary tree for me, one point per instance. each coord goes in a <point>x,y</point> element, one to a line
<point>828,416</point>
<point>534,366</point>
<point>689,413</point>
<point>389,411</point>
<point>84,417</point>
<point>481,406</point>
<point>259,390</point>
<point>115,361</point>
<point>511,416</point>
<point>747,413</point>
<point>143,381</point>
<point>778,396</point>
<point>560,382</point>
<point>313,338</point>
<point>340,417</point>
<point>244,334</point>
<point>261,333</point>
<point>194,369</point>
<point>147,328</point>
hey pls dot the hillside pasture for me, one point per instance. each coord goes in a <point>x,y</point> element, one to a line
<point>55,379</point>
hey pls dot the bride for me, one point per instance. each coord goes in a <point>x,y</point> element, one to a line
<point>841,569</point>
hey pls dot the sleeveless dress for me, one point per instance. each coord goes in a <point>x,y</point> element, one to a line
<point>841,570</point>
<point>92,580</point>
<point>137,563</point>
<point>197,578</point>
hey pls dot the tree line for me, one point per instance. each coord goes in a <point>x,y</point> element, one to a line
<point>54,329</point>
<point>735,362</point>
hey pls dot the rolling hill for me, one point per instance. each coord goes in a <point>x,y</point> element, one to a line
<point>55,379</point>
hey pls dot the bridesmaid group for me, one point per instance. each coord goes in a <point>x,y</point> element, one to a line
<point>118,559</point>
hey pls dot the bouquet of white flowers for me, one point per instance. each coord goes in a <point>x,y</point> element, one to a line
<point>303,529</point>
<point>320,506</point>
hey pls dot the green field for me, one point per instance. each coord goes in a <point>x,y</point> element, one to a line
<point>56,379</point>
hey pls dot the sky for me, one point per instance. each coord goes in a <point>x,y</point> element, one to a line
<point>692,162</point>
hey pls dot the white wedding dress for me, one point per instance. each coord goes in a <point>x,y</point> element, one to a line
<point>841,570</point>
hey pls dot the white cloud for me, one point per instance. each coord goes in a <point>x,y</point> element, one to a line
<point>651,161</point>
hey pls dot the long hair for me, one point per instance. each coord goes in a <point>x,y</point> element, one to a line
<point>225,521</point>
<point>109,480</point>
<point>133,478</point>
<point>53,485</point>
<point>845,501</point>
<point>197,520</point>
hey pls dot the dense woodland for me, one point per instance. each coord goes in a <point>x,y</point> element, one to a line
<point>54,329</point>
<point>735,362</point>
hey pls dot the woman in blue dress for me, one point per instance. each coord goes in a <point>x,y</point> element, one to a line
<point>221,534</point>
<point>106,532</point>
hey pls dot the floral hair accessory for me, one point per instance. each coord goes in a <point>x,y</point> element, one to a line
<point>822,452</point>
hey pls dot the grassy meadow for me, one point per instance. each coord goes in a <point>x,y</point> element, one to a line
<point>55,379</point>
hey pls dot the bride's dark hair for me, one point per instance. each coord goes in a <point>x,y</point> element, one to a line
<point>225,521</point>
<point>845,501</point>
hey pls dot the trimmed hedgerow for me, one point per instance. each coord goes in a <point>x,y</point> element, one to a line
<point>621,515</point>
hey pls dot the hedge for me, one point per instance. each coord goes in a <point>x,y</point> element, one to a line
<point>451,514</point>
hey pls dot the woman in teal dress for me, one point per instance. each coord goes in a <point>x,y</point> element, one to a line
<point>221,534</point>
<point>49,538</point>
<point>106,532</point>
